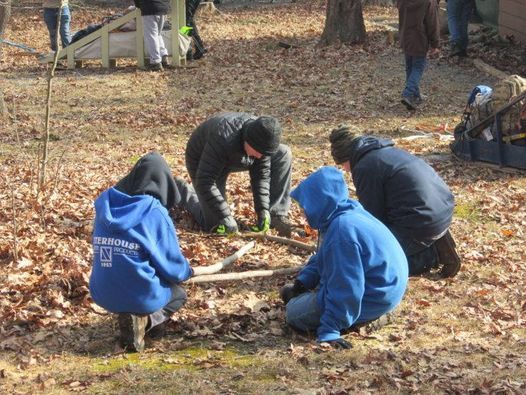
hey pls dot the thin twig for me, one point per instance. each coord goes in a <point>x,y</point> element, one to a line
<point>198,271</point>
<point>43,163</point>
<point>242,275</point>
<point>281,240</point>
<point>15,241</point>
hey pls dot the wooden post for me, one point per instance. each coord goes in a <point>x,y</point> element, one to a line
<point>139,37</point>
<point>178,21</point>
<point>70,52</point>
<point>105,46</point>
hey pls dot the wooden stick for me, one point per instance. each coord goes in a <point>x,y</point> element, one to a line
<point>242,275</point>
<point>282,240</point>
<point>200,270</point>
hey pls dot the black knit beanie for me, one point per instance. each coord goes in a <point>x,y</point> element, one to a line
<point>341,139</point>
<point>263,134</point>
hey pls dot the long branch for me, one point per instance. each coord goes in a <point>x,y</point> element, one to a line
<point>281,240</point>
<point>198,271</point>
<point>242,275</point>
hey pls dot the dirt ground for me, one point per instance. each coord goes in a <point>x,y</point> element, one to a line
<point>461,335</point>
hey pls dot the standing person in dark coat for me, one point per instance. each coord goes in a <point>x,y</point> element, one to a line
<point>153,17</point>
<point>232,142</point>
<point>419,35</point>
<point>200,50</point>
<point>406,194</point>
<point>137,262</point>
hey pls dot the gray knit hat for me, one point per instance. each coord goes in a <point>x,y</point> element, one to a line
<point>341,139</point>
<point>263,134</point>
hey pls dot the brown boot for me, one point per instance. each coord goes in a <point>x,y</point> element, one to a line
<point>447,255</point>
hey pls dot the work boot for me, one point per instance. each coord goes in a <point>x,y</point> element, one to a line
<point>155,67</point>
<point>157,331</point>
<point>166,63</point>
<point>132,330</point>
<point>409,103</point>
<point>282,224</point>
<point>447,255</point>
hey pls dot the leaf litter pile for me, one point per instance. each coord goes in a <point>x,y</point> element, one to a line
<point>465,334</point>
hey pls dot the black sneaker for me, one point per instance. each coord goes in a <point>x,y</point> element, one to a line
<point>166,64</point>
<point>447,255</point>
<point>132,329</point>
<point>281,224</point>
<point>155,67</point>
<point>409,103</point>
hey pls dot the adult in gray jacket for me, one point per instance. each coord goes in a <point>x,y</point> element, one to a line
<point>232,142</point>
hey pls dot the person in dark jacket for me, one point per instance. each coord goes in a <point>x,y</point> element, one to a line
<point>419,36</point>
<point>232,142</point>
<point>137,262</point>
<point>406,194</point>
<point>200,50</point>
<point>153,17</point>
<point>359,272</point>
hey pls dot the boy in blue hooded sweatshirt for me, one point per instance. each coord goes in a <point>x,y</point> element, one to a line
<point>359,271</point>
<point>137,262</point>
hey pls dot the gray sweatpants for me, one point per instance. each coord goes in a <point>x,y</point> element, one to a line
<point>176,302</point>
<point>153,39</point>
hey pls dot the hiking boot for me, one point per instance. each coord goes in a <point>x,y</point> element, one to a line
<point>157,331</point>
<point>155,67</point>
<point>132,329</point>
<point>282,224</point>
<point>409,103</point>
<point>455,50</point>
<point>166,63</point>
<point>447,255</point>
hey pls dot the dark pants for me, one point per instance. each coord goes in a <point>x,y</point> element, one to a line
<point>421,253</point>
<point>280,178</point>
<point>191,8</point>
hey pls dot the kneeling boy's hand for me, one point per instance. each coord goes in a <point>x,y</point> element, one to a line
<point>263,222</point>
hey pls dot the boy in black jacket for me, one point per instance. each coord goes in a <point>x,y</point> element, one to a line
<point>406,194</point>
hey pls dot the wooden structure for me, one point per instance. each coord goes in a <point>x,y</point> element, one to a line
<point>178,20</point>
<point>512,19</point>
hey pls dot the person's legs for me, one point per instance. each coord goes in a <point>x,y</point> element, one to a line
<point>151,38</point>
<point>280,177</point>
<point>65,19</point>
<point>50,18</point>
<point>465,13</point>
<point>162,47</point>
<point>454,8</point>
<point>177,301</point>
<point>190,201</point>
<point>303,312</point>
<point>412,87</point>
<point>421,254</point>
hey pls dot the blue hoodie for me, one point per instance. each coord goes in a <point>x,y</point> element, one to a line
<point>136,255</point>
<point>360,268</point>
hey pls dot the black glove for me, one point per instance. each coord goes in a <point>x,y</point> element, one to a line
<point>263,222</point>
<point>339,344</point>
<point>227,225</point>
<point>289,291</point>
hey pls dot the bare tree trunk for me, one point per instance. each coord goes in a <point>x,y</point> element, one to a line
<point>344,23</point>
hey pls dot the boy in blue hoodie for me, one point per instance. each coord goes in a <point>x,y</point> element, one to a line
<point>359,271</point>
<point>137,262</point>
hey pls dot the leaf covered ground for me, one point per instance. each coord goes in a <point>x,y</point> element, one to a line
<point>462,335</point>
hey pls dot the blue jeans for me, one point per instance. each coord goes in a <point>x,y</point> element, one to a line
<point>50,17</point>
<point>458,13</point>
<point>414,69</point>
<point>303,312</point>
